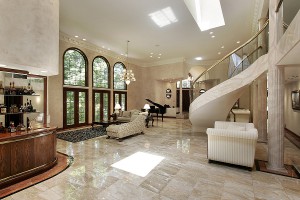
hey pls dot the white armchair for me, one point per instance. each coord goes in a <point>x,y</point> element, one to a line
<point>123,130</point>
<point>232,142</point>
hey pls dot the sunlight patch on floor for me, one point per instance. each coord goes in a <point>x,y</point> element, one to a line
<point>139,163</point>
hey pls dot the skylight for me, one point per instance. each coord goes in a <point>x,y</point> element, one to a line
<point>207,13</point>
<point>163,17</point>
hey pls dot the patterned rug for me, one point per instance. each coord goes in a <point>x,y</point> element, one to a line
<point>82,134</point>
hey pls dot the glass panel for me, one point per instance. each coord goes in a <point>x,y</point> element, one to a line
<point>74,68</point>
<point>117,100</point>
<point>70,108</point>
<point>119,83</point>
<point>100,73</point>
<point>81,102</point>
<point>123,101</point>
<point>105,106</point>
<point>97,107</point>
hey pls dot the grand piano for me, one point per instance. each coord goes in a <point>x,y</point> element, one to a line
<point>159,110</point>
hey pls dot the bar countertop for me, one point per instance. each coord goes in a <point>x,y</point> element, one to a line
<point>7,136</point>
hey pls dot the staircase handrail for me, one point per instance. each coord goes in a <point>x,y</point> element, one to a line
<point>252,52</point>
<point>232,52</point>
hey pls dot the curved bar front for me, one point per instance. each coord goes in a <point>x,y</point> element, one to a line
<point>25,154</point>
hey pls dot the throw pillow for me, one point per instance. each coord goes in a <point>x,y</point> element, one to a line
<point>126,114</point>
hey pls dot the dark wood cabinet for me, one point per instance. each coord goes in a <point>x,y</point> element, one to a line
<point>23,155</point>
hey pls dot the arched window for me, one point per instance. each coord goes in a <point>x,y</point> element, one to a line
<point>100,72</point>
<point>119,83</point>
<point>75,68</point>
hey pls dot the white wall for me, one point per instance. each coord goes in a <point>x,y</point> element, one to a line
<point>292,117</point>
<point>30,35</point>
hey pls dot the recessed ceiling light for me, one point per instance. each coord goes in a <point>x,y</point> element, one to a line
<point>103,47</point>
<point>219,53</point>
<point>213,36</point>
<point>108,49</point>
<point>222,47</point>
<point>198,58</point>
<point>84,39</point>
<point>151,53</point>
<point>122,54</point>
<point>158,57</point>
<point>76,36</point>
<point>163,17</point>
<point>151,56</point>
<point>44,71</point>
<point>159,54</point>
<point>2,65</point>
<point>211,32</point>
<point>238,42</point>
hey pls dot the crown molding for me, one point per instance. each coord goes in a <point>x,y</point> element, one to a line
<point>84,44</point>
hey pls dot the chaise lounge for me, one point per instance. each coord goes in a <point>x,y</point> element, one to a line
<point>124,130</point>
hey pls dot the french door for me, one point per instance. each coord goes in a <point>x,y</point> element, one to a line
<point>75,108</point>
<point>121,98</point>
<point>101,107</point>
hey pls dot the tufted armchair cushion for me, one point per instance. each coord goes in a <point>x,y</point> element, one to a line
<point>127,129</point>
<point>232,142</point>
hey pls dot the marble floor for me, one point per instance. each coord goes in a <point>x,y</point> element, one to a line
<point>183,174</point>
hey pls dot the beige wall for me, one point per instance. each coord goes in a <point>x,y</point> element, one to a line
<point>292,117</point>
<point>149,82</point>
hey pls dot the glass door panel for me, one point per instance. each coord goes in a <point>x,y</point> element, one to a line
<point>70,111</point>
<point>101,105</point>
<point>75,107</point>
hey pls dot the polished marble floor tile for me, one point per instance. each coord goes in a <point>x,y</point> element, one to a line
<point>183,174</point>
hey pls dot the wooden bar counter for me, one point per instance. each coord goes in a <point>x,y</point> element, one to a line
<point>24,154</point>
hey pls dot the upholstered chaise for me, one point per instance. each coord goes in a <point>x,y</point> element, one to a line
<point>232,142</point>
<point>123,130</point>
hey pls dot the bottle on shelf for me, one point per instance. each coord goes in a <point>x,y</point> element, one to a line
<point>12,127</point>
<point>3,109</point>
<point>28,124</point>
<point>2,129</point>
<point>13,89</point>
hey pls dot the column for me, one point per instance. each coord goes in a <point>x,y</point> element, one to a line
<point>262,38</point>
<point>276,93</point>
<point>262,108</point>
<point>180,100</point>
<point>254,104</point>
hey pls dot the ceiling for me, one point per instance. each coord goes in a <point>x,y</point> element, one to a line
<point>110,24</point>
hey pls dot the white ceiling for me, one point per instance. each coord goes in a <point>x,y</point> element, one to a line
<point>110,23</point>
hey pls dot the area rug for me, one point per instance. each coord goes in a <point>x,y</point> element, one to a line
<point>82,134</point>
<point>63,162</point>
<point>292,172</point>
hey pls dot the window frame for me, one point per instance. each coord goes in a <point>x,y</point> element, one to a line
<point>76,109</point>
<point>124,67</point>
<point>120,93</point>
<point>86,66</point>
<point>109,72</point>
<point>93,103</point>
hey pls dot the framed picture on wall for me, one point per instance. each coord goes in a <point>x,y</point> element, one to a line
<point>296,99</point>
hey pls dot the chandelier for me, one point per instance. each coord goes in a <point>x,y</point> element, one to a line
<point>128,75</point>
